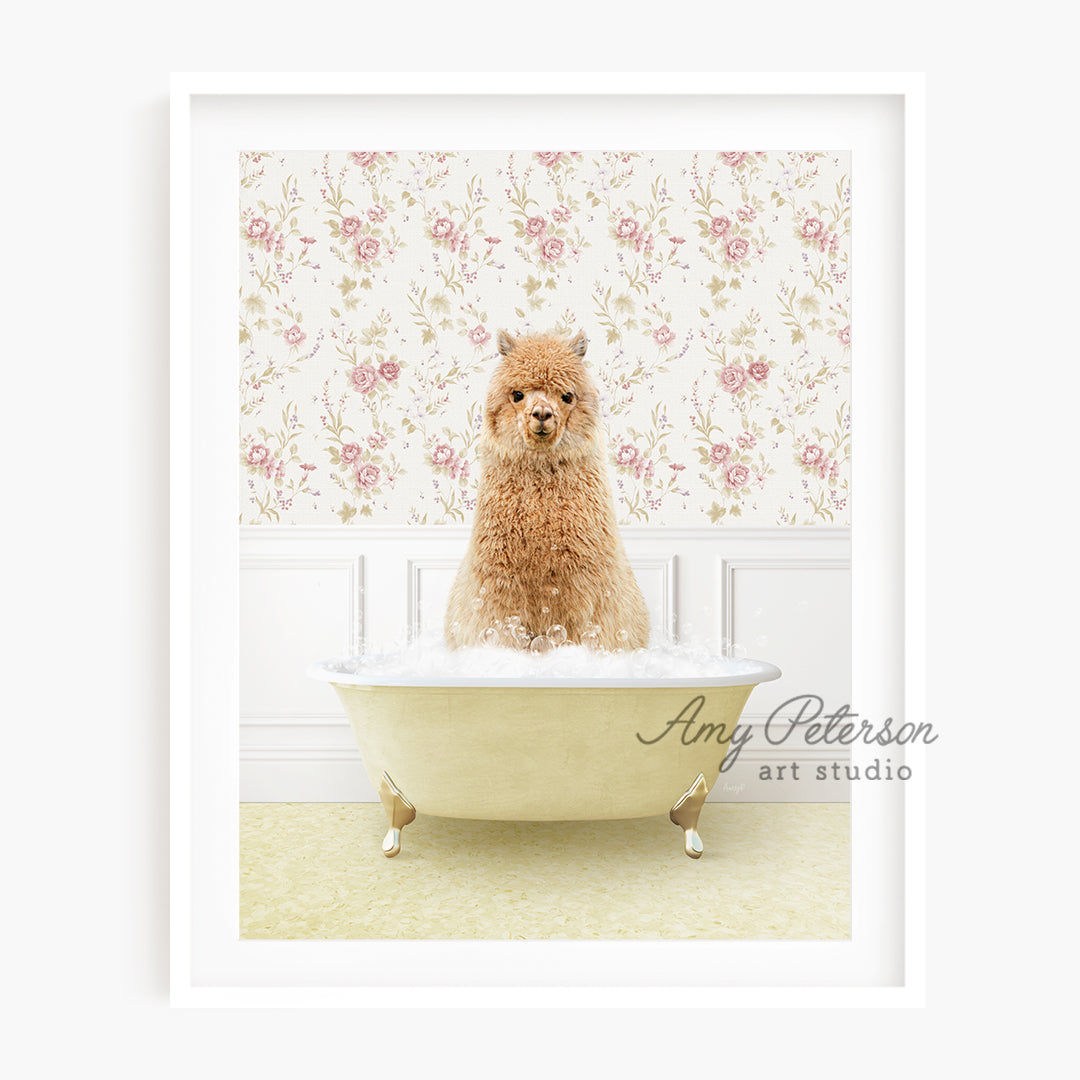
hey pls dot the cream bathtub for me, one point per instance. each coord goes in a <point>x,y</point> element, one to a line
<point>544,749</point>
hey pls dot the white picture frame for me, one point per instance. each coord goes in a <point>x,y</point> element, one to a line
<point>880,118</point>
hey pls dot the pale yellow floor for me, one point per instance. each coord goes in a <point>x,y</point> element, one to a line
<point>770,871</point>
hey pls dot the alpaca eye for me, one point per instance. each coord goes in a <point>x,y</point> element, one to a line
<point>568,398</point>
<point>517,395</point>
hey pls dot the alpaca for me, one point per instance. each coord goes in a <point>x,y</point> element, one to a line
<point>545,550</point>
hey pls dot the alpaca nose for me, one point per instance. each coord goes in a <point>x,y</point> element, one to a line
<point>542,413</point>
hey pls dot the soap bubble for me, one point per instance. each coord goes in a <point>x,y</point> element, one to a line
<point>591,638</point>
<point>513,622</point>
<point>540,644</point>
<point>554,592</point>
<point>455,626</point>
<point>491,635</point>
<point>621,635</point>
<point>545,610</point>
<point>607,593</point>
<point>483,590</point>
<point>557,635</point>
<point>477,603</point>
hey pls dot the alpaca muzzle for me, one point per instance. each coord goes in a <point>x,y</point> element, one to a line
<point>542,421</point>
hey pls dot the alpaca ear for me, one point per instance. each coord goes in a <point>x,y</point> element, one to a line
<point>578,345</point>
<point>506,343</point>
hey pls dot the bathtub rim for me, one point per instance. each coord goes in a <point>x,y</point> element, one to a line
<point>323,672</point>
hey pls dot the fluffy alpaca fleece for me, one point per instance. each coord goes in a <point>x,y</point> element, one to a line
<point>545,547</point>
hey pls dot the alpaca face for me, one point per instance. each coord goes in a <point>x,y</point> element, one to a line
<point>541,399</point>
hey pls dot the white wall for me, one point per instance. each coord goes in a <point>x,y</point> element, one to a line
<point>310,593</point>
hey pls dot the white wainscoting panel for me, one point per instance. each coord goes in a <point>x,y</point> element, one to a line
<point>311,593</point>
<point>292,606</point>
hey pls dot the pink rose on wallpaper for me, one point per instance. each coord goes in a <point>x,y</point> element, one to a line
<point>627,229</point>
<point>363,378</point>
<point>759,371</point>
<point>259,455</point>
<point>350,226</point>
<point>719,453</point>
<point>627,455</point>
<point>367,476</point>
<point>733,378</point>
<point>479,336</point>
<point>389,370</point>
<point>442,455</point>
<point>459,242</point>
<point>734,158</point>
<point>738,249</point>
<point>459,469</point>
<point>350,452</point>
<point>551,250</point>
<point>719,227</point>
<point>364,158</point>
<point>737,476</point>
<point>561,213</point>
<point>746,213</point>
<point>663,335</point>
<point>548,158</point>
<point>294,335</point>
<point>367,249</point>
<point>257,226</point>
<point>812,228</point>
<point>746,440</point>
<point>376,440</point>
<point>441,228</point>
<point>274,241</point>
<point>376,213</point>
<point>813,456</point>
<point>535,226</point>
<point>844,335</point>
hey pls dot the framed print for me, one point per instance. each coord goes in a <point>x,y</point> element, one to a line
<point>748,326</point>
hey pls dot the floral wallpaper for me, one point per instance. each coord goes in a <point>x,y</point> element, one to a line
<point>713,286</point>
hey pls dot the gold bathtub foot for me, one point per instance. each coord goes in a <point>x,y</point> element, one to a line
<point>685,814</point>
<point>399,811</point>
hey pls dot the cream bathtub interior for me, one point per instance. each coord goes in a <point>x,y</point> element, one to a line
<point>543,749</point>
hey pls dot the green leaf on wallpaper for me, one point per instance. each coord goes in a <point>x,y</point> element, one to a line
<point>439,303</point>
<point>703,312</point>
<point>366,283</point>
<point>346,284</point>
<point>531,285</point>
<point>336,314</point>
<point>346,513</point>
<point>716,512</point>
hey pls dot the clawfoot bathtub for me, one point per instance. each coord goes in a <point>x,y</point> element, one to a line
<point>543,749</point>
